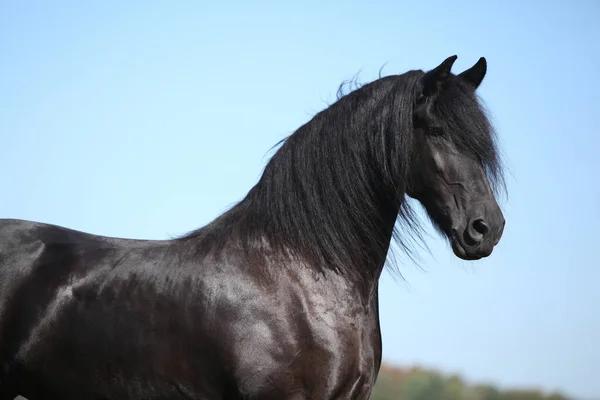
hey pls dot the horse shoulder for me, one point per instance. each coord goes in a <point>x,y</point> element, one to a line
<point>307,335</point>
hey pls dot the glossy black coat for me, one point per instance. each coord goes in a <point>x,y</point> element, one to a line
<point>275,299</point>
<point>87,317</point>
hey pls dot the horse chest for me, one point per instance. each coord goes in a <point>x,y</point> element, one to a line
<point>320,343</point>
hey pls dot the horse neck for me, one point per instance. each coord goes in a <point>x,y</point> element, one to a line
<point>325,196</point>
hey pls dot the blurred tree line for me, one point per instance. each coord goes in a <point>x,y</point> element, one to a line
<point>421,384</point>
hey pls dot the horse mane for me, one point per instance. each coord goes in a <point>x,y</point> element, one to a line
<point>320,195</point>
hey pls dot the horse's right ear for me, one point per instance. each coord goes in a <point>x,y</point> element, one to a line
<point>433,80</point>
<point>475,74</point>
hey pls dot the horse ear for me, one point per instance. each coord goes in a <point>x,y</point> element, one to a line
<point>433,80</point>
<point>476,73</point>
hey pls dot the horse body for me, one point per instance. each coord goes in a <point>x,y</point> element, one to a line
<point>278,297</point>
<point>182,328</point>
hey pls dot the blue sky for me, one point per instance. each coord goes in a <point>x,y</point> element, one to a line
<point>148,119</point>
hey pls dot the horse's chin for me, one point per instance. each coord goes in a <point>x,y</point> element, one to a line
<point>465,253</point>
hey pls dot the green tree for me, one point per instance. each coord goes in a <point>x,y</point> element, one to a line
<point>385,389</point>
<point>417,383</point>
<point>423,386</point>
<point>524,395</point>
<point>454,389</point>
<point>488,392</point>
<point>557,396</point>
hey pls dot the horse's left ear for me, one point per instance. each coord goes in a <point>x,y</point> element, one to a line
<point>433,80</point>
<point>475,74</point>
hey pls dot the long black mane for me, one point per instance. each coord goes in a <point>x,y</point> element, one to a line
<point>321,195</point>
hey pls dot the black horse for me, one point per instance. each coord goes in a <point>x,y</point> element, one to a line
<point>278,297</point>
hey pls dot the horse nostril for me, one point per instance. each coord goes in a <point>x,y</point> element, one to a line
<point>475,232</point>
<point>480,226</point>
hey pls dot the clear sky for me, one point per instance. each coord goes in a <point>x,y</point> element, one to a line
<point>148,119</point>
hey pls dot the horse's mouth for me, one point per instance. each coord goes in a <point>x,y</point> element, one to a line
<point>464,252</point>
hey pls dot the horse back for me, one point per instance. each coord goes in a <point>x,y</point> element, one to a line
<point>50,280</point>
<point>96,314</point>
<point>87,316</point>
<point>39,257</point>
